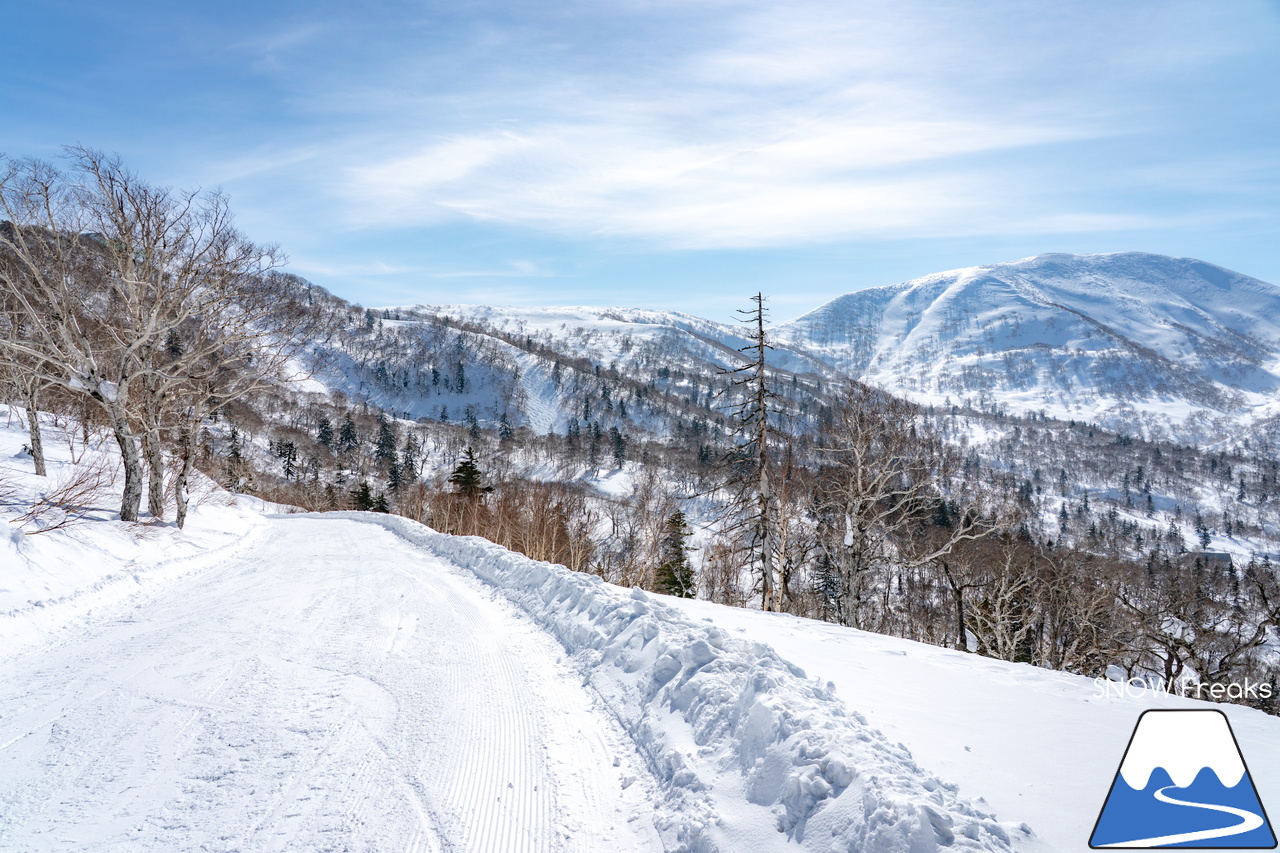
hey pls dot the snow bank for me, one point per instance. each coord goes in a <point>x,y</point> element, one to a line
<point>762,739</point>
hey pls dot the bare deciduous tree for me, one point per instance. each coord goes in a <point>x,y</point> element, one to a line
<point>146,299</point>
<point>883,486</point>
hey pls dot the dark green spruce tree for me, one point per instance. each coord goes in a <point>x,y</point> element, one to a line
<point>467,479</point>
<point>674,574</point>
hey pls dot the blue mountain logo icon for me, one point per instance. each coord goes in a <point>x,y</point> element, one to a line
<point>1183,783</point>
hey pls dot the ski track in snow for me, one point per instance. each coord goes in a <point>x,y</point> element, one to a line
<point>337,689</point>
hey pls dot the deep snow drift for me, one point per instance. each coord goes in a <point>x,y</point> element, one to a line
<point>1034,744</point>
<point>746,751</point>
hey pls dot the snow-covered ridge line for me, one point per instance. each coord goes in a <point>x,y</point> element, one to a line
<point>757,722</point>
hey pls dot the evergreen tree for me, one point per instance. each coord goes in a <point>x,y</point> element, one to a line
<point>1202,532</point>
<point>826,582</point>
<point>619,442</point>
<point>467,479</point>
<point>674,574</point>
<point>409,459</point>
<point>385,450</point>
<point>362,497</point>
<point>348,438</point>
<point>593,446</point>
<point>324,431</point>
<point>235,466</point>
<point>287,452</point>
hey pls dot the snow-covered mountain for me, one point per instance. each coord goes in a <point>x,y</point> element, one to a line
<point>629,336</point>
<point>1160,346</point>
<point>648,373</point>
<point>1154,346</point>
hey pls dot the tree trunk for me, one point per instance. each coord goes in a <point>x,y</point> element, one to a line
<point>155,473</point>
<point>132,497</point>
<point>851,579</point>
<point>957,593</point>
<point>186,450</point>
<point>768,593</point>
<point>33,426</point>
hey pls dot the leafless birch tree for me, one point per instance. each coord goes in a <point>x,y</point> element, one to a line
<point>145,298</point>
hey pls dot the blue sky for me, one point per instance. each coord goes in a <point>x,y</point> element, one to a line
<point>675,154</point>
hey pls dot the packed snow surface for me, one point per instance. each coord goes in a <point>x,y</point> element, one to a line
<point>328,687</point>
<point>362,682</point>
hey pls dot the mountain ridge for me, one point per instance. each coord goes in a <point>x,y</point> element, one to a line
<point>1160,347</point>
<point>1165,347</point>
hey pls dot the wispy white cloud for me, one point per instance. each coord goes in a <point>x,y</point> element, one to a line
<point>312,266</point>
<point>513,269</point>
<point>396,145</point>
<point>759,185</point>
<point>266,50</point>
<point>800,124</point>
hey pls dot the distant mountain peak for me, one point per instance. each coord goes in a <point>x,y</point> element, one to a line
<point>1148,343</point>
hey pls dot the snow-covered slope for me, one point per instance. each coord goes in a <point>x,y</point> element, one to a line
<point>1170,347</point>
<point>335,686</point>
<point>87,559</point>
<point>1036,745</point>
<point>361,682</point>
<point>639,338</point>
<point>358,681</point>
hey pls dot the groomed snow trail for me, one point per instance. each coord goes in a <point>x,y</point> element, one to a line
<point>334,689</point>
